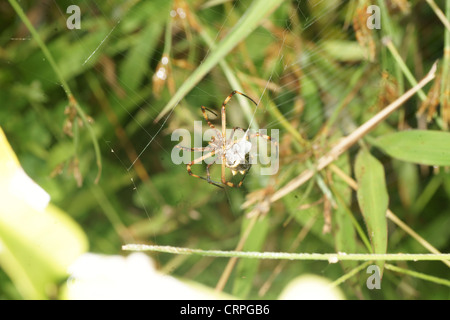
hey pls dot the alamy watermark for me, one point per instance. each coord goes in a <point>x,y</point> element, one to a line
<point>374,21</point>
<point>74,20</point>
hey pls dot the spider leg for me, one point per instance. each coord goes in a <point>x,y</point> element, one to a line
<point>223,142</point>
<point>224,104</point>
<point>242,94</point>
<point>231,184</point>
<point>223,179</point>
<point>257,134</point>
<point>234,130</point>
<point>206,156</point>
<point>269,138</point>
<point>208,176</point>
<point>212,140</point>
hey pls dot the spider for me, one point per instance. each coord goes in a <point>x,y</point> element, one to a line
<point>234,154</point>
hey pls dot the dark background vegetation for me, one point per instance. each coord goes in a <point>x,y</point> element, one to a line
<point>308,55</point>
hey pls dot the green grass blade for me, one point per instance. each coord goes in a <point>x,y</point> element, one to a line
<point>417,146</point>
<point>344,232</point>
<point>419,275</point>
<point>255,14</point>
<point>373,200</point>
<point>72,101</point>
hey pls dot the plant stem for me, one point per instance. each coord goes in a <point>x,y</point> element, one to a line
<point>419,275</point>
<point>349,274</point>
<point>440,14</point>
<point>331,257</point>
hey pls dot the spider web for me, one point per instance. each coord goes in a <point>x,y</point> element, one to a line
<point>149,137</point>
<point>273,73</point>
<point>291,70</point>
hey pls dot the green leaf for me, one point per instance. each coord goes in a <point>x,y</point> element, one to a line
<point>373,200</point>
<point>417,146</point>
<point>255,14</point>
<point>136,65</point>
<point>247,268</point>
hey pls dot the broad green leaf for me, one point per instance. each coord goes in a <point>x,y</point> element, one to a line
<point>373,200</point>
<point>37,242</point>
<point>256,13</point>
<point>418,146</point>
<point>247,268</point>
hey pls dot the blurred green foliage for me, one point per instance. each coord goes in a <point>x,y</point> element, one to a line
<point>318,71</point>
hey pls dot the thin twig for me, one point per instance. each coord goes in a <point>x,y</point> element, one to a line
<point>349,274</point>
<point>398,58</point>
<point>277,270</point>
<point>419,275</point>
